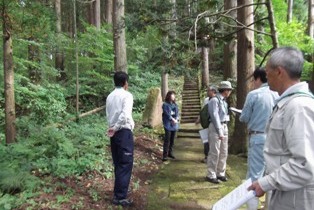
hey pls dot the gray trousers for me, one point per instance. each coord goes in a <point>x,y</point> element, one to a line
<point>218,152</point>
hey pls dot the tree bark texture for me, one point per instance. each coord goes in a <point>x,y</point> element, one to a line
<point>173,17</point>
<point>10,130</point>
<point>90,13</point>
<point>164,84</point>
<point>120,59</point>
<point>311,34</point>
<point>33,56</point>
<point>97,14</point>
<point>272,24</point>
<point>108,12</point>
<point>290,11</point>
<point>245,66</point>
<point>211,55</point>
<point>59,58</point>
<point>311,18</point>
<point>230,47</point>
<point>205,70</point>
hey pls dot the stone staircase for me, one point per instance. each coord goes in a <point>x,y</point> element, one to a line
<point>190,110</point>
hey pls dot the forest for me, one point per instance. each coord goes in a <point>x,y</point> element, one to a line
<point>59,57</point>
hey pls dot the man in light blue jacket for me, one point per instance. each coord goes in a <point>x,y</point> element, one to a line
<point>257,108</point>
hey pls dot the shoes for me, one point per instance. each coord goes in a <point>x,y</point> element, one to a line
<point>212,180</point>
<point>171,156</point>
<point>204,160</point>
<point>164,159</point>
<point>222,178</point>
<point>122,202</point>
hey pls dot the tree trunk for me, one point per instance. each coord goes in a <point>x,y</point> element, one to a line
<point>205,70</point>
<point>230,47</point>
<point>33,56</point>
<point>245,66</point>
<point>91,13</point>
<point>10,131</point>
<point>59,58</point>
<point>311,19</point>
<point>187,11</point>
<point>108,12</point>
<point>76,61</point>
<point>172,33</point>
<point>311,34</point>
<point>97,14</point>
<point>120,59</point>
<point>289,12</point>
<point>164,84</point>
<point>211,55</point>
<point>272,23</point>
<point>173,17</point>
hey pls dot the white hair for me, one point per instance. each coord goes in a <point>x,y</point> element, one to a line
<point>289,58</point>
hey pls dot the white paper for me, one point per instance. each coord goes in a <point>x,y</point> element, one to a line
<point>236,198</point>
<point>204,135</point>
<point>238,111</point>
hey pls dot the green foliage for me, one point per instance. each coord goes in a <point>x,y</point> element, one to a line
<point>139,86</point>
<point>45,104</point>
<point>61,151</point>
<point>13,181</point>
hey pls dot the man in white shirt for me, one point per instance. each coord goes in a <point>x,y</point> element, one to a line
<point>119,106</point>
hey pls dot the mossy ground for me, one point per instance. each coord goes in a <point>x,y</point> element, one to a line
<point>180,183</point>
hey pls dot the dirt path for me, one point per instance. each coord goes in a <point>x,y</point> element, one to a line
<point>180,183</point>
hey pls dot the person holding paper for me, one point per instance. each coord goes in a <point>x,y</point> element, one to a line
<point>211,92</point>
<point>289,146</point>
<point>218,134</point>
<point>255,113</point>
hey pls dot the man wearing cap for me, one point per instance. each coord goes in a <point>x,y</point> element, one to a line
<point>218,134</point>
<point>257,108</point>
<point>211,92</point>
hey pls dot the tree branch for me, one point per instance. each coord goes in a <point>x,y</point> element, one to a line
<point>207,14</point>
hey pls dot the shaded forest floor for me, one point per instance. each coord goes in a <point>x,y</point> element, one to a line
<point>93,191</point>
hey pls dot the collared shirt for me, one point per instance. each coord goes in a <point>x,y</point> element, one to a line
<point>119,105</point>
<point>257,108</point>
<point>218,111</point>
<point>289,146</point>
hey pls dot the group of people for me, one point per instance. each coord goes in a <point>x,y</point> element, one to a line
<point>279,114</point>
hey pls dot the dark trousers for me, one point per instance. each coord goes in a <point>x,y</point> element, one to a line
<point>168,142</point>
<point>206,149</point>
<point>122,146</point>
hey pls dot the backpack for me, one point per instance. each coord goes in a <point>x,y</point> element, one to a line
<point>204,116</point>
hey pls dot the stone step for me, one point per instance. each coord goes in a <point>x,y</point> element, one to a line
<point>192,97</point>
<point>189,112</point>
<point>195,97</point>
<point>190,91</point>
<point>188,103</point>
<point>188,135</point>
<point>187,121</point>
<point>190,94</point>
<point>195,107</point>
<point>189,117</point>
<point>189,130</point>
<point>194,110</point>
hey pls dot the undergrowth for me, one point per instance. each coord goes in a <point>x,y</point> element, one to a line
<point>67,150</point>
